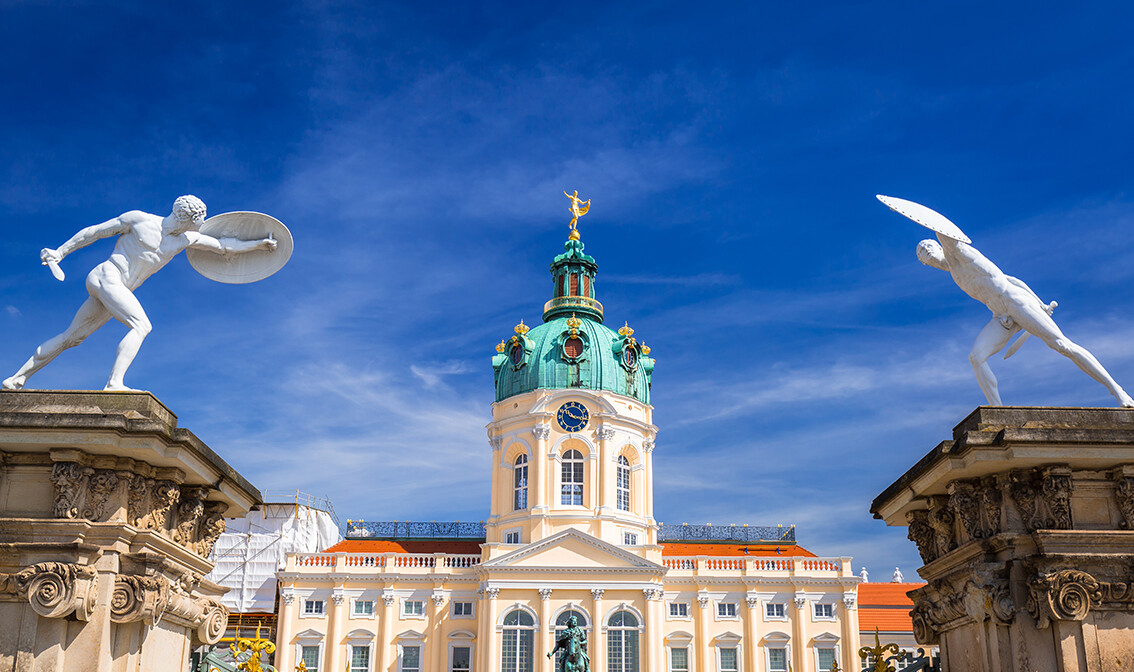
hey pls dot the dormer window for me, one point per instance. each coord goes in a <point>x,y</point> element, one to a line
<point>573,347</point>
<point>517,354</point>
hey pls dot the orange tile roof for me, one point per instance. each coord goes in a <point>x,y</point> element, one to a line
<point>717,549</point>
<point>886,620</point>
<point>458,547</point>
<point>886,594</point>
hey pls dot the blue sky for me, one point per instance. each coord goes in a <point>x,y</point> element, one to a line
<point>732,152</point>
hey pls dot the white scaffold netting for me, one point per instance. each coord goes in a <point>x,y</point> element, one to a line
<point>252,549</point>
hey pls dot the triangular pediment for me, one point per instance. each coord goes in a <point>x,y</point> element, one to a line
<point>572,549</point>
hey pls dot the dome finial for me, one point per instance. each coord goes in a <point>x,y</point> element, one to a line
<point>578,208</point>
<point>522,328</point>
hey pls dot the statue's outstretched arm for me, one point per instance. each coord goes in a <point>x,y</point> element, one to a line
<point>200,241</point>
<point>111,227</point>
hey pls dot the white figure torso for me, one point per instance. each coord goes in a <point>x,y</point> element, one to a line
<point>145,247</point>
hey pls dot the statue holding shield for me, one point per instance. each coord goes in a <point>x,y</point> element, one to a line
<point>145,244</point>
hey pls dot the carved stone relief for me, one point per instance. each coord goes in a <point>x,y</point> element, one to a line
<point>1124,497</point>
<point>54,589</point>
<point>1042,497</point>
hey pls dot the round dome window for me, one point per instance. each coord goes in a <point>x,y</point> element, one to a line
<point>573,347</point>
<point>629,357</point>
<point>517,354</point>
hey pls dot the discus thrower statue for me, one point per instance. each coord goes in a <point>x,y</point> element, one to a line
<point>235,247</point>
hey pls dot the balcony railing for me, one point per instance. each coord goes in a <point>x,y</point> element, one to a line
<point>742,533</point>
<point>380,562</point>
<point>708,565</point>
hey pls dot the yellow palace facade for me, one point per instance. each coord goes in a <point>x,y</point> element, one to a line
<point>571,532</point>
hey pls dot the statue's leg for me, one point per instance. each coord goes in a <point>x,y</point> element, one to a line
<point>991,339</point>
<point>124,307</point>
<point>91,316</point>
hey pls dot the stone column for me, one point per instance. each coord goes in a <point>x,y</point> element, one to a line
<point>607,469</point>
<point>648,461</point>
<point>335,620</point>
<point>285,652</point>
<point>385,652</point>
<point>798,638</point>
<point>545,629</point>
<point>751,646</point>
<point>850,631</point>
<point>654,658</point>
<point>598,637</point>
<point>702,640</point>
<point>539,490</point>
<point>437,651</point>
<point>491,643</point>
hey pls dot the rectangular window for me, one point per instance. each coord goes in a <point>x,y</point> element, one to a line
<point>678,610</point>
<point>678,659</point>
<point>512,537</point>
<point>462,659</point>
<point>777,660</point>
<point>310,657</point>
<point>314,607</point>
<point>629,539</point>
<point>775,611</point>
<point>728,660</point>
<point>726,610</point>
<point>572,479</point>
<point>413,608</point>
<point>826,659</point>
<point>462,609</point>
<point>360,659</point>
<point>824,611</point>
<point>411,659</point>
<point>364,607</point>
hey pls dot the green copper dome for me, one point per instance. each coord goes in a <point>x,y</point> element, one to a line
<point>572,348</point>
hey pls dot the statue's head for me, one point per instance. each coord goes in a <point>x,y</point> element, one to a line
<point>929,252</point>
<point>189,213</point>
<point>572,622</point>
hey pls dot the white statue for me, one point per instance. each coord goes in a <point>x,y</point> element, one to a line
<point>897,578</point>
<point>1014,305</point>
<point>864,575</point>
<point>145,244</point>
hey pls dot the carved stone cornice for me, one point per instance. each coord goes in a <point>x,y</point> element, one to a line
<point>1042,497</point>
<point>605,433</point>
<point>597,593</point>
<point>977,595</point>
<point>648,446</point>
<point>138,598</point>
<point>652,594</point>
<point>541,432</point>
<point>545,593</point>
<point>54,589</point>
<point>1069,594</point>
<point>1124,497</point>
<point>976,503</point>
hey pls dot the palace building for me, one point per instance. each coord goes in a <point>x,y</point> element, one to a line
<point>570,532</point>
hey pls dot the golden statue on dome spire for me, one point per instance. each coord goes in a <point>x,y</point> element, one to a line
<point>578,208</point>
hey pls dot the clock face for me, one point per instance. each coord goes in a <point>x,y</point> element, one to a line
<point>572,416</point>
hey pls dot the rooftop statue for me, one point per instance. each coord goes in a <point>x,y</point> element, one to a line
<point>578,208</point>
<point>573,642</point>
<point>1015,307</point>
<point>145,244</point>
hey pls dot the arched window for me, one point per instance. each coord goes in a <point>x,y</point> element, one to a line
<point>520,488</point>
<point>572,478</point>
<point>623,483</point>
<point>561,625</point>
<point>622,642</point>
<point>519,638</point>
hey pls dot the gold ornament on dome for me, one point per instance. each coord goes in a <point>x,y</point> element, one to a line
<point>501,346</point>
<point>573,323</point>
<point>645,349</point>
<point>522,328</point>
<point>625,330</point>
<point>578,208</point>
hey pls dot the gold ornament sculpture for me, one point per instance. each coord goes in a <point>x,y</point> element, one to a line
<point>578,208</point>
<point>254,646</point>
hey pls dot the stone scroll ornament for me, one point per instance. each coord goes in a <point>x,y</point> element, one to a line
<point>54,589</point>
<point>235,247</point>
<point>151,598</point>
<point>1015,307</point>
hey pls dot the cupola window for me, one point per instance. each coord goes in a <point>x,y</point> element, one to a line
<point>573,347</point>
<point>520,479</point>
<point>572,490</point>
<point>517,354</point>
<point>623,483</point>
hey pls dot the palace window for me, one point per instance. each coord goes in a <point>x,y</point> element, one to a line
<point>520,478</point>
<point>411,659</point>
<point>462,609</point>
<point>728,659</point>
<point>726,609</point>
<point>623,483</point>
<point>679,659</point>
<point>519,640</point>
<point>364,607</point>
<point>310,657</point>
<point>360,659</point>
<point>572,491</point>
<point>777,659</point>
<point>824,612</point>
<point>775,611</point>
<point>629,539</point>
<point>413,608</point>
<point>512,537</point>
<point>462,659</point>
<point>825,659</point>
<point>622,642</point>
<point>679,610</point>
<point>314,607</point>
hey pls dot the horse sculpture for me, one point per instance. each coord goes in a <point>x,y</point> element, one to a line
<point>573,642</point>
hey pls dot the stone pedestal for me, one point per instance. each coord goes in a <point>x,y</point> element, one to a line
<point>1025,522</point>
<point>108,512</point>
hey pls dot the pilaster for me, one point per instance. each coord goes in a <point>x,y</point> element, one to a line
<point>598,638</point>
